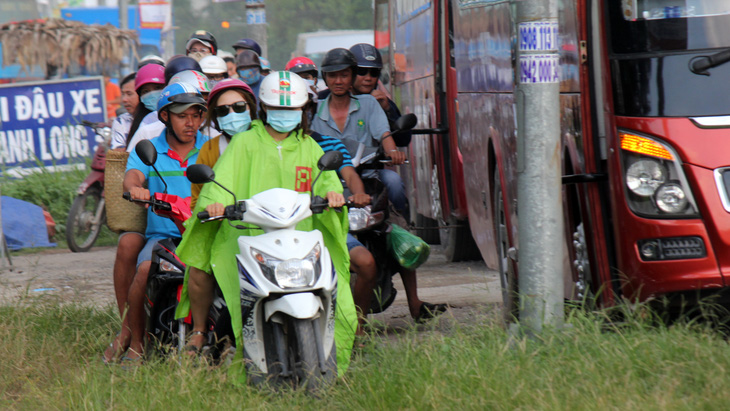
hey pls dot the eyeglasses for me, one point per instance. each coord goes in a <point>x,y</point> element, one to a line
<point>238,107</point>
<point>374,72</point>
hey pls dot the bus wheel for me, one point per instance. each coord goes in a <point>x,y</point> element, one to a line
<point>582,267</point>
<point>507,276</point>
<point>457,242</point>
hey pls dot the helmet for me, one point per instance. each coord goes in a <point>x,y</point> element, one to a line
<point>204,37</point>
<point>178,64</point>
<point>248,58</point>
<point>228,84</point>
<point>193,78</point>
<point>150,58</point>
<point>178,97</point>
<point>213,65</point>
<point>283,89</point>
<point>301,65</point>
<point>265,65</point>
<point>248,44</point>
<point>338,59</point>
<point>367,55</point>
<point>149,74</point>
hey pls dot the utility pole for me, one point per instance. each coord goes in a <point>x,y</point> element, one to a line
<point>539,195</point>
<point>256,20</point>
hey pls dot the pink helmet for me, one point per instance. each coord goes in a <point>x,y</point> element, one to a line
<point>227,84</point>
<point>149,74</point>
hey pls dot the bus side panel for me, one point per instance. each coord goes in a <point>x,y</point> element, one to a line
<point>414,92</point>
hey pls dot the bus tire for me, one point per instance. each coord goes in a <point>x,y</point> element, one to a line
<point>427,229</point>
<point>507,277</point>
<point>457,242</point>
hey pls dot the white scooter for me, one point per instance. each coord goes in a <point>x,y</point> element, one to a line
<point>288,284</point>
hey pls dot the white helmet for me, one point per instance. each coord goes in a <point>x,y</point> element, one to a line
<point>283,89</point>
<point>193,78</point>
<point>213,65</point>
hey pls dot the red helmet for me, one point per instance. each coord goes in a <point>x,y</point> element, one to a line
<point>149,74</point>
<point>227,84</point>
<point>300,65</point>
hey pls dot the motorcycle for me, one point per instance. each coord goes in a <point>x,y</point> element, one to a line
<point>167,274</point>
<point>288,284</point>
<point>87,214</point>
<point>370,224</point>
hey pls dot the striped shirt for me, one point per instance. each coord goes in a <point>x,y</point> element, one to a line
<point>330,144</point>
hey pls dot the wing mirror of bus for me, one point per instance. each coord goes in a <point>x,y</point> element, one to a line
<point>146,152</point>
<point>405,122</point>
<point>200,174</point>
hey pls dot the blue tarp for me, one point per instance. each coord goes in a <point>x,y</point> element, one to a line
<point>24,225</point>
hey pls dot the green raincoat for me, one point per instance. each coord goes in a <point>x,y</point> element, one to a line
<point>252,163</point>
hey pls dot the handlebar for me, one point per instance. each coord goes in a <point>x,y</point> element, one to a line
<point>156,204</point>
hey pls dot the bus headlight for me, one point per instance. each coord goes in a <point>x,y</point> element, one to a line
<point>671,199</point>
<point>655,183</point>
<point>644,177</point>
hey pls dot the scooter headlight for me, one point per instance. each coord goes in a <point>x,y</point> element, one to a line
<point>291,273</point>
<point>294,273</point>
<point>361,218</point>
<point>168,266</point>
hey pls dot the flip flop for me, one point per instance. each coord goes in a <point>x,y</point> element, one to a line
<point>429,311</point>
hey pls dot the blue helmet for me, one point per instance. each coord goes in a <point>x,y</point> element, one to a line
<point>178,97</point>
<point>367,55</point>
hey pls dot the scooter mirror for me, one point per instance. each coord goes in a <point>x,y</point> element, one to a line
<point>200,174</point>
<point>146,152</point>
<point>406,122</point>
<point>331,160</point>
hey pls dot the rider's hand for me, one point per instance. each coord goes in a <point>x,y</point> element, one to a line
<point>215,209</point>
<point>335,199</point>
<point>140,193</point>
<point>360,200</point>
<point>397,157</point>
<point>382,99</point>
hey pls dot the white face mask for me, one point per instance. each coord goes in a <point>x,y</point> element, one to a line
<point>198,55</point>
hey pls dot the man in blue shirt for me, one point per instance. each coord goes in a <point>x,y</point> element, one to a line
<point>181,109</point>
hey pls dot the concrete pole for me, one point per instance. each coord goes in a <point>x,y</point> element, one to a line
<point>539,197</point>
<point>257,30</point>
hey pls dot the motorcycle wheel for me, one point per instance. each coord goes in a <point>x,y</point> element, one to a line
<point>81,232</point>
<point>309,373</point>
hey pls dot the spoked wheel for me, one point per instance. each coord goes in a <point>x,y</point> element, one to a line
<point>83,226</point>
<point>506,266</point>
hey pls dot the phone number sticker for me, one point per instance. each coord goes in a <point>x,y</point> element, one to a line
<point>539,68</point>
<point>538,36</point>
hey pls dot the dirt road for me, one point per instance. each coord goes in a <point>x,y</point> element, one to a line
<point>87,278</point>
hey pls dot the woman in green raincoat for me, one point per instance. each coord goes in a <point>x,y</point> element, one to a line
<point>274,153</point>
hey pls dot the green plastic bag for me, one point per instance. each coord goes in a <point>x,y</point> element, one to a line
<point>408,249</point>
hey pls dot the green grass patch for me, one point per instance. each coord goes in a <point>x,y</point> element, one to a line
<point>56,192</point>
<point>50,358</point>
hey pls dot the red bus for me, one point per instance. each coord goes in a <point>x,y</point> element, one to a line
<point>644,127</point>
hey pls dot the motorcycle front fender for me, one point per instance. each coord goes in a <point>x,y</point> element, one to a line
<point>298,305</point>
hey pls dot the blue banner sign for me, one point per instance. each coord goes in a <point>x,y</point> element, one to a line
<point>40,124</point>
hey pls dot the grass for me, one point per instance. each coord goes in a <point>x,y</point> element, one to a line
<point>49,358</point>
<point>56,192</point>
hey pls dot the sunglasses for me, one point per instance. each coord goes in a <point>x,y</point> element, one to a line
<point>374,72</point>
<point>222,111</point>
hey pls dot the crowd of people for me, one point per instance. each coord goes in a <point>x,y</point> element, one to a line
<point>255,127</point>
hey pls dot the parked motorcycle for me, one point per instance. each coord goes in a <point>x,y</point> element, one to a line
<point>166,277</point>
<point>370,224</point>
<point>288,284</point>
<point>87,214</point>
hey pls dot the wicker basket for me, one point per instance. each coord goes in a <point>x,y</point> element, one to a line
<point>121,215</point>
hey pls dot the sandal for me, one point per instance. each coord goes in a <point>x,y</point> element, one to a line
<point>193,350</point>
<point>429,311</point>
<point>128,363</point>
<point>116,354</point>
